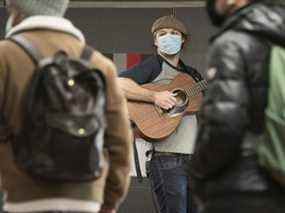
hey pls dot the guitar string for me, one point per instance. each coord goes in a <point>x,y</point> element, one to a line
<point>195,90</point>
<point>200,86</point>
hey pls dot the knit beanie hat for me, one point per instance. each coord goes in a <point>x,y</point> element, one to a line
<point>41,7</point>
<point>169,22</point>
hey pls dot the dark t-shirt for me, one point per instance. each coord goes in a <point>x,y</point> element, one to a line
<point>149,69</point>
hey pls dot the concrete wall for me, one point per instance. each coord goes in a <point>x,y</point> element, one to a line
<point>128,29</point>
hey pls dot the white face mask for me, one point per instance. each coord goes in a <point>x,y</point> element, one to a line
<point>9,24</point>
<point>169,44</point>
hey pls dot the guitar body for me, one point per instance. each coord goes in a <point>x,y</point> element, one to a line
<point>154,124</point>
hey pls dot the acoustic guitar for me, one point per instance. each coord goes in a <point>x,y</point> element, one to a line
<point>155,124</point>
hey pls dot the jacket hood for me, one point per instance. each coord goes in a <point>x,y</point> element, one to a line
<point>264,19</point>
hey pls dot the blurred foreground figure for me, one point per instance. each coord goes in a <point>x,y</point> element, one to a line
<point>235,157</point>
<point>70,170</point>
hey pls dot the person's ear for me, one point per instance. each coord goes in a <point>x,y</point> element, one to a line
<point>183,39</point>
<point>155,42</point>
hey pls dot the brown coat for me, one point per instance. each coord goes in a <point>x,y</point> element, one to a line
<point>16,70</point>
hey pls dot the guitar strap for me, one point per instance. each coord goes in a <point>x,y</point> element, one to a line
<point>137,162</point>
<point>136,157</point>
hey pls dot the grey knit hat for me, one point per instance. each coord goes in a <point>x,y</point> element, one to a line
<point>41,7</point>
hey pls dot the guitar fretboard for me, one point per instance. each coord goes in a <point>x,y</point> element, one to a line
<point>196,89</point>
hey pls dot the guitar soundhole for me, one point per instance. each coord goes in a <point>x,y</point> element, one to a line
<point>181,97</point>
<point>182,102</point>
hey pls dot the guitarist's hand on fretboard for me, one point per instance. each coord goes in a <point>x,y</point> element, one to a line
<point>164,100</point>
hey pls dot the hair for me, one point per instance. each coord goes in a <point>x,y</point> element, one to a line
<point>185,37</point>
<point>39,7</point>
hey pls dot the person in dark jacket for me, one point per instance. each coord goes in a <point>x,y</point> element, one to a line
<point>225,166</point>
<point>168,165</point>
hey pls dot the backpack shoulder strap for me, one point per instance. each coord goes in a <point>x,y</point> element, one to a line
<point>28,47</point>
<point>87,53</point>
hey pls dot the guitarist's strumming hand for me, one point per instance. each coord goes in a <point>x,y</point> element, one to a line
<point>164,100</point>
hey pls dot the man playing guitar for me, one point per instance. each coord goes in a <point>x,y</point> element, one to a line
<point>168,166</point>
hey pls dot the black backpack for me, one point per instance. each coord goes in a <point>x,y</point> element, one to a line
<point>64,109</point>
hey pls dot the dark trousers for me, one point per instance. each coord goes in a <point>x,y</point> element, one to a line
<point>169,181</point>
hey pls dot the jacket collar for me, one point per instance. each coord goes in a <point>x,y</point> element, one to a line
<point>47,22</point>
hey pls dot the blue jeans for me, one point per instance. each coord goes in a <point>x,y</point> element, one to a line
<point>169,181</point>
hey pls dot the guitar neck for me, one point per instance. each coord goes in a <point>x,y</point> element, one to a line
<point>196,89</point>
